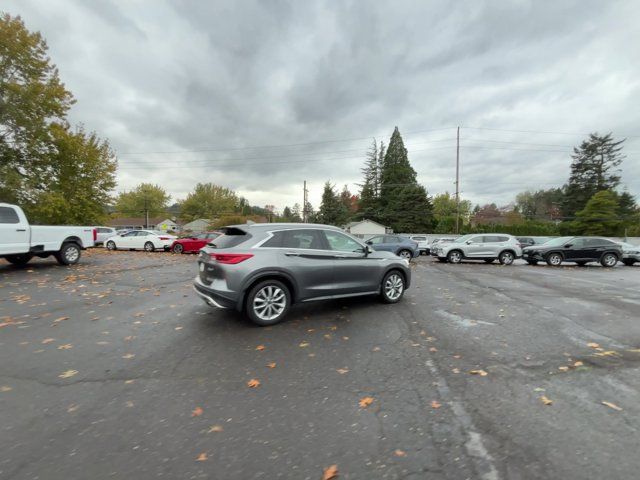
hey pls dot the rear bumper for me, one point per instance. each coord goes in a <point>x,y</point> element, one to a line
<point>212,297</point>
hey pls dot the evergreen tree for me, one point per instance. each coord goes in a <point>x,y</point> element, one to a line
<point>594,168</point>
<point>332,211</point>
<point>369,193</point>
<point>296,213</point>
<point>404,203</point>
<point>599,216</point>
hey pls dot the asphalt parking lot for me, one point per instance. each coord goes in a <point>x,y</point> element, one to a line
<point>113,368</point>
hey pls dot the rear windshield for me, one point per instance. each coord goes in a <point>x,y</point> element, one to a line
<point>231,237</point>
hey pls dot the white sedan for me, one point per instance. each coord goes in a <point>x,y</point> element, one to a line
<point>148,240</point>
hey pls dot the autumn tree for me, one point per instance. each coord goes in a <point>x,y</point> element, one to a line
<point>210,201</point>
<point>145,199</point>
<point>445,210</point>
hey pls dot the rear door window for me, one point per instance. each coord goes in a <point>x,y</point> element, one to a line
<point>231,237</point>
<point>391,239</point>
<point>8,215</point>
<point>304,239</point>
<point>491,239</point>
<point>376,240</point>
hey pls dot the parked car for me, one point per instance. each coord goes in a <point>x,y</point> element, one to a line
<point>148,240</point>
<point>529,241</point>
<point>433,249</point>
<point>423,243</point>
<point>486,246</point>
<point>262,269</point>
<point>103,233</point>
<point>193,243</point>
<point>401,246</point>
<point>630,253</point>
<point>20,242</point>
<point>580,250</point>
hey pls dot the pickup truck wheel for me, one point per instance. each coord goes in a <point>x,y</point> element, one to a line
<point>69,254</point>
<point>19,259</point>
<point>111,245</point>
<point>148,247</point>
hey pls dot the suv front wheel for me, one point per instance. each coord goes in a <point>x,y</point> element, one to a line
<point>268,302</point>
<point>554,259</point>
<point>392,287</point>
<point>506,258</point>
<point>454,256</point>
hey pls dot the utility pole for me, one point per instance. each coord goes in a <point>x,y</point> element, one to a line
<point>146,213</point>
<point>305,214</point>
<point>458,182</point>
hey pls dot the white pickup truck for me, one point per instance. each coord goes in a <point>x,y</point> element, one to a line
<point>20,242</point>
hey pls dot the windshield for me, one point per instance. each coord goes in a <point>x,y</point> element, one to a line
<point>554,242</point>
<point>464,238</point>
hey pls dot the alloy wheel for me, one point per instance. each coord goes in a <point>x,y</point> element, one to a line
<point>269,302</point>
<point>406,254</point>
<point>394,286</point>
<point>609,260</point>
<point>506,258</point>
<point>455,257</point>
<point>71,254</point>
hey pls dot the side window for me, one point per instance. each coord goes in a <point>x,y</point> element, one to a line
<point>391,239</point>
<point>598,242</point>
<point>376,240</point>
<point>275,241</point>
<point>8,215</point>
<point>340,242</point>
<point>476,240</point>
<point>306,239</point>
<point>142,233</point>
<point>503,239</point>
<point>578,242</point>
<point>131,234</point>
<point>490,239</point>
<point>201,236</point>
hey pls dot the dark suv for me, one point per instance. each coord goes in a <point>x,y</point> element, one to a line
<point>580,250</point>
<point>262,269</point>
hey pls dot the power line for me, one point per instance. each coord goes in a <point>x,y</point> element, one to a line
<point>539,131</point>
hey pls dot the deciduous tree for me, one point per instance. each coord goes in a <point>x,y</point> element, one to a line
<point>209,201</point>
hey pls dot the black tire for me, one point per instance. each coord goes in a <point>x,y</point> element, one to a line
<point>149,247</point>
<point>405,254</point>
<point>454,256</point>
<point>111,245</point>
<point>609,260</point>
<point>628,262</point>
<point>489,260</point>
<point>177,248</point>
<point>442,260</point>
<point>532,262</point>
<point>69,254</point>
<point>19,260</point>
<point>253,305</point>
<point>554,259</point>
<point>506,258</point>
<point>392,287</point>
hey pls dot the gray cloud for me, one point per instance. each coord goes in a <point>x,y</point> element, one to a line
<point>204,81</point>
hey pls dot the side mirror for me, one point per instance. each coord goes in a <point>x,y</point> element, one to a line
<point>367,250</point>
<point>122,234</point>
<point>368,242</point>
<point>568,245</point>
<point>469,242</point>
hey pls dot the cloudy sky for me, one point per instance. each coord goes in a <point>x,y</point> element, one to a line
<point>260,96</point>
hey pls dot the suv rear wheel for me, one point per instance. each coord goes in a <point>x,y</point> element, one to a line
<point>392,287</point>
<point>506,257</point>
<point>268,302</point>
<point>609,260</point>
<point>454,256</point>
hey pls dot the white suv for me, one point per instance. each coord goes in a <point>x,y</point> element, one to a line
<point>481,246</point>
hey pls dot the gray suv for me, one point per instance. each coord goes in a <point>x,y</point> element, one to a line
<point>262,269</point>
<point>485,246</point>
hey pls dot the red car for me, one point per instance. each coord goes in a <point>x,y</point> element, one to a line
<point>194,243</point>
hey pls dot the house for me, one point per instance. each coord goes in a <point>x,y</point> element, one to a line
<point>366,229</point>
<point>197,226</point>
<point>137,223</point>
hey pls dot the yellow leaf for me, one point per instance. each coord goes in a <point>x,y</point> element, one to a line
<point>482,373</point>
<point>253,383</point>
<point>330,472</point>
<point>578,364</point>
<point>365,402</point>
<point>48,340</point>
<point>61,319</point>
<point>215,428</point>
<point>612,405</point>
<point>197,412</point>
<point>400,453</point>
<point>563,369</point>
<point>342,371</point>
<point>66,346</point>
<point>271,365</point>
<point>68,373</point>
<point>435,404</point>
<point>5,388</point>
<point>72,408</point>
<point>260,347</point>
<point>202,457</point>
<point>546,400</point>
<point>433,349</point>
<point>592,345</point>
<point>304,344</point>
<point>128,355</point>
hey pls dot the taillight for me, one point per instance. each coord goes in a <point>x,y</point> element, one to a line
<point>230,258</point>
<point>95,234</point>
<point>165,238</point>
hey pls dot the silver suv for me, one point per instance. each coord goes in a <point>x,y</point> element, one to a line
<point>485,246</point>
<point>262,269</point>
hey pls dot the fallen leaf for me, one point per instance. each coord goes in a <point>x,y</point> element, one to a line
<point>253,383</point>
<point>563,369</point>
<point>129,381</point>
<point>482,373</point>
<point>66,346</point>
<point>304,344</point>
<point>61,319</point>
<point>197,412</point>
<point>365,402</point>
<point>400,453</point>
<point>433,349</point>
<point>128,355</point>
<point>68,373</point>
<point>608,353</point>
<point>612,405</point>
<point>578,364</point>
<point>260,347</point>
<point>545,400</point>
<point>271,365</point>
<point>5,388</point>
<point>129,403</point>
<point>178,328</point>
<point>72,408</point>
<point>593,345</point>
<point>202,457</point>
<point>456,370</point>
<point>330,472</point>
<point>435,404</point>
<point>48,340</point>
<point>342,371</point>
<point>215,428</point>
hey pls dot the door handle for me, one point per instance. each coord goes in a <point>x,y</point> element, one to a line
<point>21,229</point>
<point>292,254</point>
